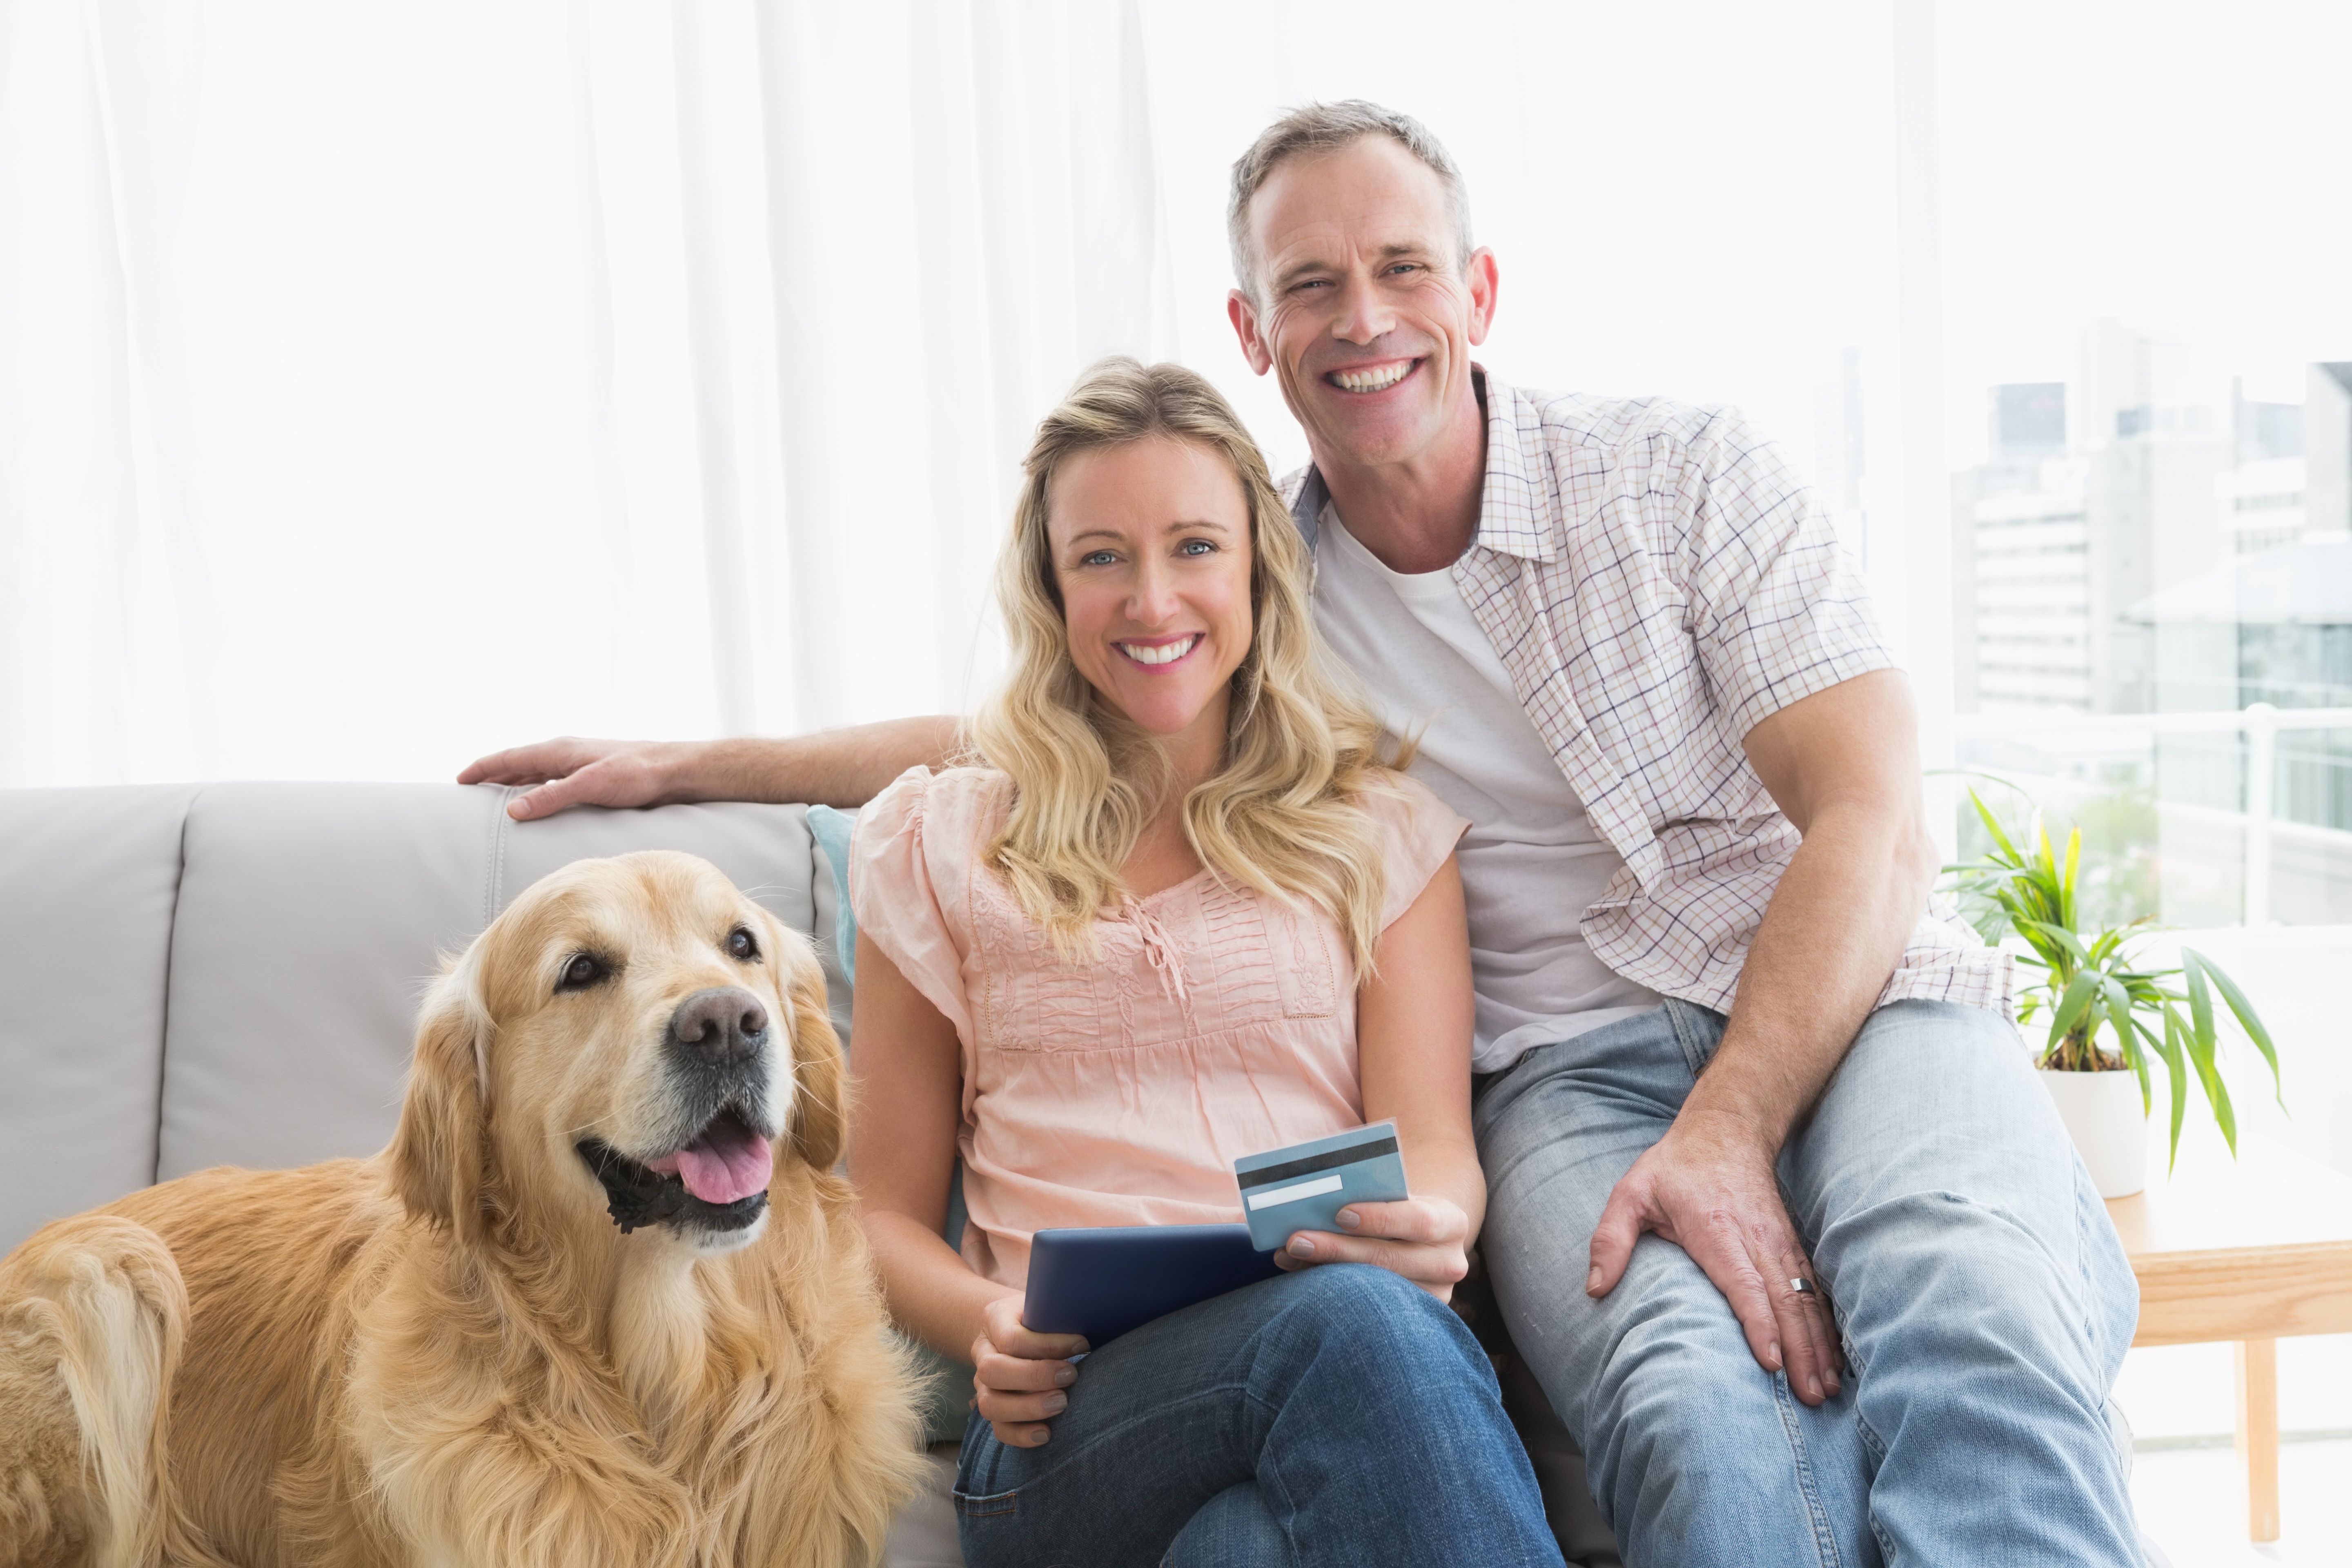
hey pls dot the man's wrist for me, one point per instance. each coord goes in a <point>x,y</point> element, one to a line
<point>679,767</point>
<point>1733,1128</point>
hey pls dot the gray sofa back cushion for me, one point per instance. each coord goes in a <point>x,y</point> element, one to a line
<point>229,973</point>
<point>88,880</point>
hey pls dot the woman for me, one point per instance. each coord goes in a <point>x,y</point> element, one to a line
<point>1180,915</point>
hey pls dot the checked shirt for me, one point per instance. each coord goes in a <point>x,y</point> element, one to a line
<point>1657,581</point>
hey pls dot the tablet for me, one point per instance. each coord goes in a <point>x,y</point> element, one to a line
<point>1102,1282</point>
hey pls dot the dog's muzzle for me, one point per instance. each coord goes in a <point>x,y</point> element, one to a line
<point>714,1177</point>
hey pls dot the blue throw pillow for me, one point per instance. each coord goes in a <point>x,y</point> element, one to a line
<point>831,829</point>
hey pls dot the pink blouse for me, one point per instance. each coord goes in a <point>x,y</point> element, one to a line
<point>1214,1023</point>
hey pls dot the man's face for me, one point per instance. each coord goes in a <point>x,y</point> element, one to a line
<point>1361,308</point>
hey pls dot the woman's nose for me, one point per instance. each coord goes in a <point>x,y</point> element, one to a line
<point>1153,599</point>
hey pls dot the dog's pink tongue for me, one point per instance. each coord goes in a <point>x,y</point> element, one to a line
<point>728,1162</point>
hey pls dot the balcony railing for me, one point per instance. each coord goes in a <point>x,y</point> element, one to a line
<point>2260,723</point>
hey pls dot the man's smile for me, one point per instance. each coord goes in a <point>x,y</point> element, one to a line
<point>1371,377</point>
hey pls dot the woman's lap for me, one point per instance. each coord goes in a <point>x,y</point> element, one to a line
<point>1361,1410</point>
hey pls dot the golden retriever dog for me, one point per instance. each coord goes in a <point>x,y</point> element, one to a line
<point>602,1300</point>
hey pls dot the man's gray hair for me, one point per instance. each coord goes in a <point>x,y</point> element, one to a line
<point>1316,127</point>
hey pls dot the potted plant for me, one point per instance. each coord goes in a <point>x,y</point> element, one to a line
<point>2108,1015</point>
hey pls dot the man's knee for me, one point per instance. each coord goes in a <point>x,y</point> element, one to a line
<point>1940,1279</point>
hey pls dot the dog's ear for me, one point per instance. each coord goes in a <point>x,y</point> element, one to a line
<point>438,1154</point>
<point>819,1077</point>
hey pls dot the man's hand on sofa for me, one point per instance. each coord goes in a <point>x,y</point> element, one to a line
<point>838,767</point>
<point>1707,1186</point>
<point>569,770</point>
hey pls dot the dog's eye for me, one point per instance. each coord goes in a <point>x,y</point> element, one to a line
<point>740,943</point>
<point>579,972</point>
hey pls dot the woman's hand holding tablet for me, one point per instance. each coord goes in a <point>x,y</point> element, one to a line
<point>1021,1375</point>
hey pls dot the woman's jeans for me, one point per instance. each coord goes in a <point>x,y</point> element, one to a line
<point>1982,1298</point>
<point>1335,1415</point>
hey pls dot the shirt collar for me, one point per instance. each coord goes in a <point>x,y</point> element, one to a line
<point>1519,514</point>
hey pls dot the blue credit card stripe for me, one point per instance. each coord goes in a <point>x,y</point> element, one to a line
<point>1290,1170</point>
<point>1315,1188</point>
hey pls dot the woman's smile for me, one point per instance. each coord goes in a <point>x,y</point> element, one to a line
<point>1159,654</point>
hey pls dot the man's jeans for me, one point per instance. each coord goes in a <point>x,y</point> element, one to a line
<point>1338,1415</point>
<point>1983,1302</point>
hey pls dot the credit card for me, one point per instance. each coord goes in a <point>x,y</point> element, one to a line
<point>1305,1186</point>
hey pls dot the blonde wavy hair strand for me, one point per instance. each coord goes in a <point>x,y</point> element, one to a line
<point>1279,815</point>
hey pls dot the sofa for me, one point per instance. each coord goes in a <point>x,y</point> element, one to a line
<point>228,974</point>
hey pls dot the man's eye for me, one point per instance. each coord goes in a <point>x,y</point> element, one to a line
<point>579,972</point>
<point>743,945</point>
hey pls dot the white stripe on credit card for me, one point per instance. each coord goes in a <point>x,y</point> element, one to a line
<point>1295,1191</point>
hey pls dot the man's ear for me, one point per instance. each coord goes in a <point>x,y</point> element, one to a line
<point>1485,289</point>
<point>1244,316</point>
<point>439,1151</point>
<point>819,1077</point>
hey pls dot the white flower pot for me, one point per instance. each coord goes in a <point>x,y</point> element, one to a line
<point>2102,1115</point>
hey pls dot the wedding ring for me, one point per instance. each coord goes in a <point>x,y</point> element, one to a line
<point>1801,1287</point>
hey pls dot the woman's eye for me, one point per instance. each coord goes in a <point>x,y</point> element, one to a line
<point>1196,547</point>
<point>1098,558</point>
<point>582,970</point>
<point>741,944</point>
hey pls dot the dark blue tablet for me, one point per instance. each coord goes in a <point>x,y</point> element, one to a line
<point>1102,1282</point>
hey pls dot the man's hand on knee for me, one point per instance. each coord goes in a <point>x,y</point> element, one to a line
<point>1707,1187</point>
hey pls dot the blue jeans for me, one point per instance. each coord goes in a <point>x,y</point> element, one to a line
<point>1982,1298</point>
<point>1337,1415</point>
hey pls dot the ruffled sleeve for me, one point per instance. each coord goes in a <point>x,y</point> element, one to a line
<point>895,874</point>
<point>1417,832</point>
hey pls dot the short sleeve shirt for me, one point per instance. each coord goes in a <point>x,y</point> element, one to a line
<point>1213,1022</point>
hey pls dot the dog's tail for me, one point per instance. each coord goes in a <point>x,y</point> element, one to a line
<point>92,1317</point>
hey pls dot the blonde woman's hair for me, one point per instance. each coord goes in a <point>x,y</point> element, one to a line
<point>1279,816</point>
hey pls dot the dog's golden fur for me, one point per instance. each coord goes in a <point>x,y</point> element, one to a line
<point>450,1353</point>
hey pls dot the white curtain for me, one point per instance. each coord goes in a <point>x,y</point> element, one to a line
<point>382,384</point>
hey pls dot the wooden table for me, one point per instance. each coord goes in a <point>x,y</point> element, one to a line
<point>2250,1251</point>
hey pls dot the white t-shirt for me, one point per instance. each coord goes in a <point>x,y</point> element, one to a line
<point>1531,863</point>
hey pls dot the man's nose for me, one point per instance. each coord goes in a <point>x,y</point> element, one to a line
<point>1363,315</point>
<point>722,1026</point>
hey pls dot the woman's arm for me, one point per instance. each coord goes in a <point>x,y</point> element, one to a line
<point>905,1103</point>
<point>1413,1023</point>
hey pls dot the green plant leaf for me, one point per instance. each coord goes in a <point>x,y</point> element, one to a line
<point>2072,1007</point>
<point>2201,999</point>
<point>2065,939</point>
<point>2119,1012</point>
<point>2247,1019</point>
<point>1992,825</point>
<point>2177,1078</point>
<point>2217,1093</point>
<point>2066,882</point>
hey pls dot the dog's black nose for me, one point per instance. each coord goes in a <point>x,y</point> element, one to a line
<point>718,1027</point>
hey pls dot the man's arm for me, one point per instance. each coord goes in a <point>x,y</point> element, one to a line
<point>838,767</point>
<point>1843,765</point>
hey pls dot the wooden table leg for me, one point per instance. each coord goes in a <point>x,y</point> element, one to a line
<point>2258,1436</point>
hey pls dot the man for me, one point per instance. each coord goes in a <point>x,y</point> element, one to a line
<point>1734,1069</point>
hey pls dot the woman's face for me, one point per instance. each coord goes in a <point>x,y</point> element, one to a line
<point>1151,550</point>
